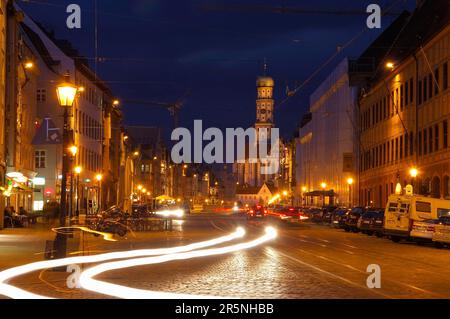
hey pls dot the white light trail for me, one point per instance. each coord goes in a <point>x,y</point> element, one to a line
<point>16,293</point>
<point>171,213</point>
<point>87,282</point>
<point>106,236</point>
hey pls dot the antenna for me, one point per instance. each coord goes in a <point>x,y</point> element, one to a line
<point>265,67</point>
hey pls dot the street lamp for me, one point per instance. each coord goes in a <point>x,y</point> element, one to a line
<point>324,187</point>
<point>350,182</point>
<point>78,171</point>
<point>66,93</point>
<point>413,172</point>
<point>99,178</point>
<point>73,150</point>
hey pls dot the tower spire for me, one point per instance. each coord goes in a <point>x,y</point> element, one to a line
<point>265,67</point>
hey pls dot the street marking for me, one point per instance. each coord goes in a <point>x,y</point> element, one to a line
<point>332,275</point>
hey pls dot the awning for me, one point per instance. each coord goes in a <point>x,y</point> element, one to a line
<point>330,193</point>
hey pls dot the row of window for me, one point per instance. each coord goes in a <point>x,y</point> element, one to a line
<point>430,85</point>
<point>403,147</point>
<point>88,126</point>
<point>403,96</point>
<point>90,94</point>
<point>88,159</point>
<point>389,105</point>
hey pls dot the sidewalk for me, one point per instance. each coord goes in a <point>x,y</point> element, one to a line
<point>23,245</point>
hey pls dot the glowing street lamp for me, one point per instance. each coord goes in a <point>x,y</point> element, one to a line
<point>413,172</point>
<point>29,65</point>
<point>66,93</point>
<point>350,182</point>
<point>73,150</point>
<point>323,186</point>
<point>390,65</point>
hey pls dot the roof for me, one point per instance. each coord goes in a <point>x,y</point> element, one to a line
<point>405,36</point>
<point>248,190</point>
<point>39,46</point>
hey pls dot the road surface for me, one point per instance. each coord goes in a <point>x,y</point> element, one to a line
<point>305,261</point>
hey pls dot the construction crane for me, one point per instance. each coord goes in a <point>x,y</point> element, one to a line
<point>284,10</point>
<point>173,108</point>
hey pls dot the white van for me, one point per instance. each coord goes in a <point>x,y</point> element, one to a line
<point>403,211</point>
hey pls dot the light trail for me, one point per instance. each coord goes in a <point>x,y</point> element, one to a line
<point>87,282</point>
<point>171,213</point>
<point>16,293</point>
<point>106,236</point>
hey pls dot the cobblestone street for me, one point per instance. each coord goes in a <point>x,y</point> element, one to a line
<point>305,261</point>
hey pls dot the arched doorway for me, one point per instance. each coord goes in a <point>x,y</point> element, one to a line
<point>446,186</point>
<point>426,187</point>
<point>436,187</point>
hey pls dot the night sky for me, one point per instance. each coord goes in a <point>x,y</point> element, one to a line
<point>156,50</point>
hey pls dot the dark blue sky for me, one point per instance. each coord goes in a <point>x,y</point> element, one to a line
<point>157,49</point>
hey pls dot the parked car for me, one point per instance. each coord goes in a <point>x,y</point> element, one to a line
<point>441,236</point>
<point>315,214</point>
<point>351,222</point>
<point>327,214</point>
<point>287,213</point>
<point>339,218</point>
<point>423,231</point>
<point>257,211</point>
<point>367,221</point>
<point>377,226</point>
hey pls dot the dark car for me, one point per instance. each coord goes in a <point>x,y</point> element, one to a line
<point>257,211</point>
<point>327,214</point>
<point>339,218</point>
<point>367,221</point>
<point>377,225</point>
<point>351,222</point>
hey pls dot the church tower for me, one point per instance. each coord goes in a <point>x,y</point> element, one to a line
<point>265,102</point>
<point>249,173</point>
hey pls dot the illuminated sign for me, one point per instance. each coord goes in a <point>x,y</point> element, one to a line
<point>39,181</point>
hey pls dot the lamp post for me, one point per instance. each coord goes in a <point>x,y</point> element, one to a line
<point>73,151</point>
<point>304,190</point>
<point>78,171</point>
<point>324,187</point>
<point>99,179</point>
<point>66,93</point>
<point>350,182</point>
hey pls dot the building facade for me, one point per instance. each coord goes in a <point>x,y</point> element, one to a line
<point>405,111</point>
<point>326,142</point>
